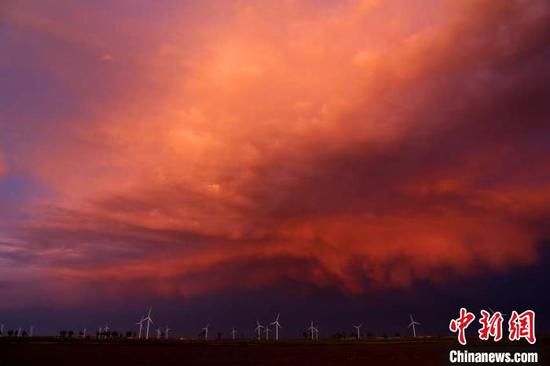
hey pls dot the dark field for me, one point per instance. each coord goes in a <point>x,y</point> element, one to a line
<point>397,352</point>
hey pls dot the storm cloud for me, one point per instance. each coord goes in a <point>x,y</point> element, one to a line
<point>347,145</point>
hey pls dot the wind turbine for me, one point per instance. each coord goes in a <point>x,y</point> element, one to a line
<point>312,330</point>
<point>159,333</point>
<point>140,323</point>
<point>166,331</point>
<point>206,332</point>
<point>493,312</point>
<point>258,329</point>
<point>106,330</point>
<point>19,332</point>
<point>267,330</point>
<point>100,332</point>
<point>358,327</point>
<point>233,333</point>
<point>84,333</point>
<point>149,322</point>
<point>412,324</point>
<point>277,326</point>
<point>31,331</point>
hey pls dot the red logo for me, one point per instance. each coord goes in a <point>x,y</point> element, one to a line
<point>522,326</point>
<point>461,323</point>
<point>519,326</point>
<point>491,325</point>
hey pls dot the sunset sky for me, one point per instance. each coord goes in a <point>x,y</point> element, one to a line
<point>351,160</point>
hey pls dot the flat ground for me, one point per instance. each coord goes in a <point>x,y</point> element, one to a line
<point>391,352</point>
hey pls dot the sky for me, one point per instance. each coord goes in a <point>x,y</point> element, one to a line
<point>352,161</point>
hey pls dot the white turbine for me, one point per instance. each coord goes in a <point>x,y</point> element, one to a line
<point>140,323</point>
<point>258,329</point>
<point>277,325</point>
<point>19,332</point>
<point>412,324</point>
<point>267,330</point>
<point>84,333</point>
<point>99,332</point>
<point>206,332</point>
<point>149,322</point>
<point>358,327</point>
<point>159,333</point>
<point>166,331</point>
<point>312,330</point>
<point>233,333</point>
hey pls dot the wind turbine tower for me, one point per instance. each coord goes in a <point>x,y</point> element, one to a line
<point>206,332</point>
<point>140,323</point>
<point>412,324</point>
<point>259,329</point>
<point>358,327</point>
<point>311,330</point>
<point>277,325</point>
<point>149,322</point>
<point>234,333</point>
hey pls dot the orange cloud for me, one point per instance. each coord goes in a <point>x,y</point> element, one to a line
<point>348,145</point>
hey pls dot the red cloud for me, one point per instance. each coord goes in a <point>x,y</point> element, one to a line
<point>341,146</point>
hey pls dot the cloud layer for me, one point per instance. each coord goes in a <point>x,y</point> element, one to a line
<point>195,148</point>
